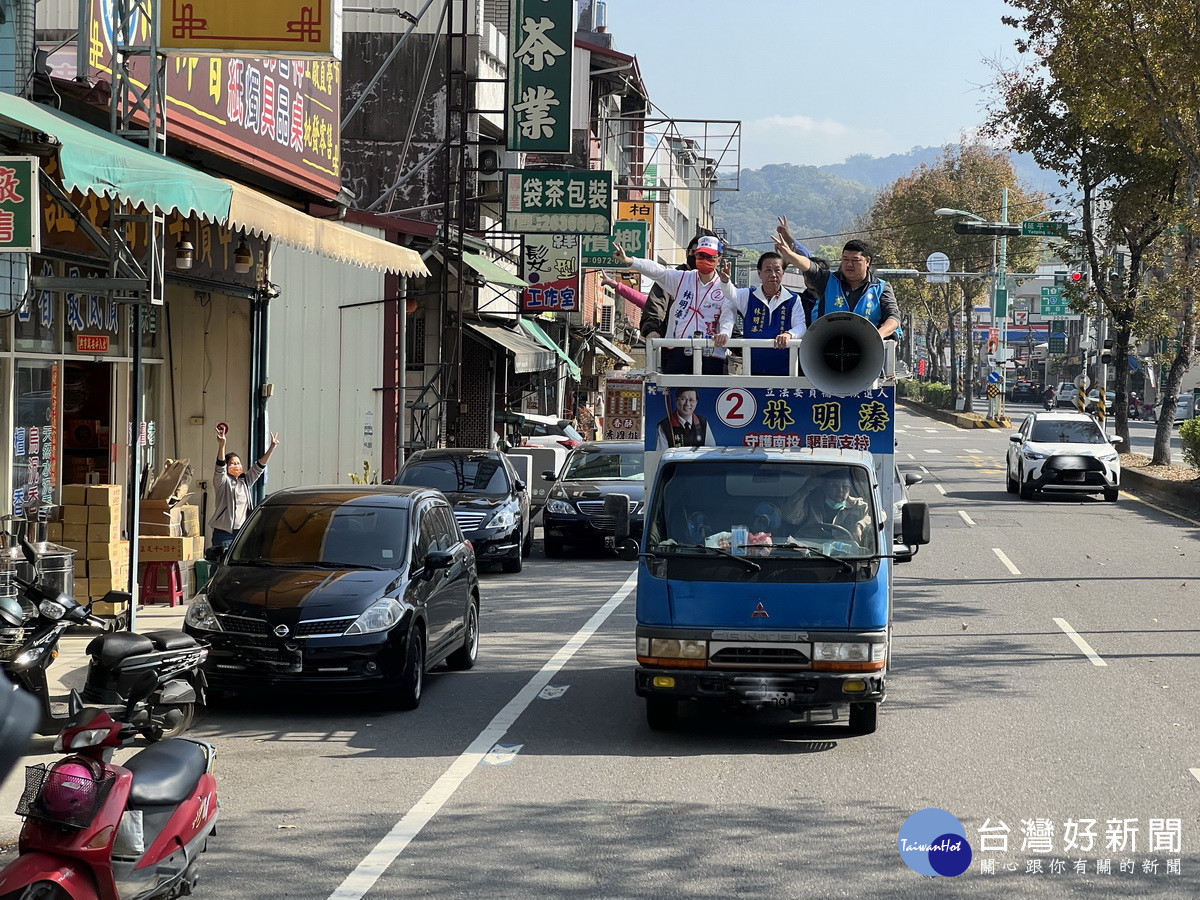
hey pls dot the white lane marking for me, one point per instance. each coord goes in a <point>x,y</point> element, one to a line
<point>963,515</point>
<point>923,469</point>
<point>910,456</point>
<point>930,450</point>
<point>972,450</point>
<point>1080,642</point>
<point>932,430</point>
<point>1195,773</point>
<point>941,489</point>
<point>363,878</point>
<point>1007,562</point>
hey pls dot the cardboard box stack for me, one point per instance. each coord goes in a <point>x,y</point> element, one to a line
<point>91,526</point>
<point>169,531</point>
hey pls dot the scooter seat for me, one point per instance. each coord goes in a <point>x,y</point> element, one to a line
<point>172,640</point>
<point>110,649</point>
<point>166,772</point>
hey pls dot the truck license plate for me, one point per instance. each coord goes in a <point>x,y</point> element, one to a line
<point>780,699</point>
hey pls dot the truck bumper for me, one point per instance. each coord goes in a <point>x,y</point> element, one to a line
<point>785,690</point>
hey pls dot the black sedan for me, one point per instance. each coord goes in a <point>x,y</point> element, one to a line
<point>491,502</point>
<point>343,588</point>
<point>1024,391</point>
<point>574,512</point>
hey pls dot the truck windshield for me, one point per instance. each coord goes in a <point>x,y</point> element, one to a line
<point>764,510</point>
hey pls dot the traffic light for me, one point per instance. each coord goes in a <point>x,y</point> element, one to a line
<point>1076,277</point>
<point>1060,278</point>
<point>1106,355</point>
<point>987,228</point>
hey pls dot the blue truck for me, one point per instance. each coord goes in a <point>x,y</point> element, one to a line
<point>765,570</point>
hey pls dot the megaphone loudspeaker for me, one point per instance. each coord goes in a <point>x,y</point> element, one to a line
<point>842,354</point>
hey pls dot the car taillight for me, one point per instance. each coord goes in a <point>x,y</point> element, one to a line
<point>569,444</point>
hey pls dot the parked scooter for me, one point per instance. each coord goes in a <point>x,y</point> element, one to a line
<point>116,660</point>
<point>96,830</point>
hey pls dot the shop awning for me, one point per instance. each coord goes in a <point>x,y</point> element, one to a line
<point>93,160</point>
<point>259,214</point>
<point>608,348</point>
<point>492,273</point>
<point>528,355</point>
<point>535,330</point>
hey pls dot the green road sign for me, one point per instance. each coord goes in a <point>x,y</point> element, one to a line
<point>1001,305</point>
<point>1054,302</point>
<point>1058,336</point>
<point>1031,228</point>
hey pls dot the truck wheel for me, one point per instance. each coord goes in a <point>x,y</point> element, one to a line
<point>662,713</point>
<point>864,717</point>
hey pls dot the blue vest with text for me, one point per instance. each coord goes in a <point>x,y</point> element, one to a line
<point>760,322</point>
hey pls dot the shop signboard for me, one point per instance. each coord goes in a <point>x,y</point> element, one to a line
<point>597,250</point>
<point>541,58</point>
<point>277,116</point>
<point>622,409</point>
<point>551,201</point>
<point>550,263</point>
<point>266,27</point>
<point>19,196</point>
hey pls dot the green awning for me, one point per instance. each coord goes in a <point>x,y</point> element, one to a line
<point>95,161</point>
<point>492,273</point>
<point>536,332</point>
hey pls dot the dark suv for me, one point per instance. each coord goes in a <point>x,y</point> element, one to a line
<point>1024,391</point>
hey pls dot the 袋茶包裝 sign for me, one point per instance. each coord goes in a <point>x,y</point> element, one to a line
<point>549,201</point>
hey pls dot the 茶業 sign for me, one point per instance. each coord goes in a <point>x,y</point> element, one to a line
<point>541,40</point>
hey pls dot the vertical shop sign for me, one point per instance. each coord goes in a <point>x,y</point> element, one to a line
<point>541,58</point>
<point>622,409</point>
<point>550,263</point>
<point>19,205</point>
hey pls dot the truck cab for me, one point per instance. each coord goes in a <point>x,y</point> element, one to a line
<point>765,577</point>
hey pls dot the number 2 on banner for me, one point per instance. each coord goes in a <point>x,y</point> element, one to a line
<point>736,408</point>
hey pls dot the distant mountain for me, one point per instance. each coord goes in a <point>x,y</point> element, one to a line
<point>826,200</point>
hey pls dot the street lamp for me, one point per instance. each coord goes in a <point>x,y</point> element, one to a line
<point>958,212</point>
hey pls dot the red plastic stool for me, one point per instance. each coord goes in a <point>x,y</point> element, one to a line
<point>153,588</point>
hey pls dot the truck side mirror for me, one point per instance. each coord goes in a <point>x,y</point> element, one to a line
<point>547,475</point>
<point>914,523</point>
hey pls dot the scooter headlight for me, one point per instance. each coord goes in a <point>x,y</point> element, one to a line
<point>52,609</point>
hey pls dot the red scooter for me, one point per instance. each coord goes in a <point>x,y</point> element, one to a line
<point>97,831</point>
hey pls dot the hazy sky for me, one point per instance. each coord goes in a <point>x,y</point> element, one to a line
<point>816,81</point>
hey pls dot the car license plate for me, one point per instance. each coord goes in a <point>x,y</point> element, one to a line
<point>1072,476</point>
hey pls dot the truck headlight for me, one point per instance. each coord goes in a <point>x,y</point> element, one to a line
<point>670,648</point>
<point>849,652</point>
<point>200,614</point>
<point>559,508</point>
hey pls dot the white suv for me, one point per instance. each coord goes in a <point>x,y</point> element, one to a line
<point>545,431</point>
<point>1063,452</point>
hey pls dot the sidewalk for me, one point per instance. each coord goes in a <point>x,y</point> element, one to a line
<point>68,671</point>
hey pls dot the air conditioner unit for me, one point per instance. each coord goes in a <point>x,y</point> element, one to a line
<point>494,160</point>
<point>607,317</point>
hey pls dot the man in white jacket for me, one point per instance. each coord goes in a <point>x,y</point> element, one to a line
<point>702,307</point>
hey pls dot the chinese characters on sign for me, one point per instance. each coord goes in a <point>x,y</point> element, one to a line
<point>550,263</point>
<point>19,202</point>
<point>278,116</point>
<point>791,417</point>
<point>541,39</point>
<point>597,250</point>
<point>622,410</point>
<point>1082,846</point>
<point>558,202</point>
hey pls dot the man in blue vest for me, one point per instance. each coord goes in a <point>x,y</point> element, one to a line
<point>852,288</point>
<point>769,311</point>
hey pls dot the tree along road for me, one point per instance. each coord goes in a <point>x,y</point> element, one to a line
<point>1042,677</point>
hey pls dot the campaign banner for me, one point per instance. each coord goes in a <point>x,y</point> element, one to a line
<point>768,417</point>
